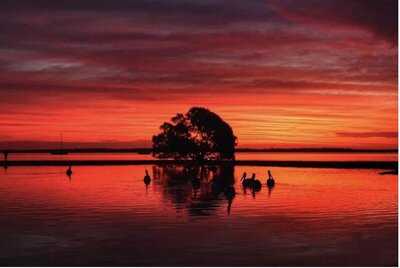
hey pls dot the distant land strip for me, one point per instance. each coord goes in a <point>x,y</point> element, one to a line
<point>303,164</point>
<point>238,150</point>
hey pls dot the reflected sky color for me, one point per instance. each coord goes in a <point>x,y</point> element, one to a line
<point>282,73</point>
<point>312,216</point>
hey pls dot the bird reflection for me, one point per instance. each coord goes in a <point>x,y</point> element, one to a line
<point>270,188</point>
<point>229,194</point>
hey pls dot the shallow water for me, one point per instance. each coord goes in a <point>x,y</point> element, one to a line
<point>107,216</point>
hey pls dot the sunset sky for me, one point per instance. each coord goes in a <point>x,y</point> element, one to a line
<point>284,73</point>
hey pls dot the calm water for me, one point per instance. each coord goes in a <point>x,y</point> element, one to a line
<point>240,156</point>
<point>107,216</point>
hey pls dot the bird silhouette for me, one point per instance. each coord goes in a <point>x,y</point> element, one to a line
<point>270,181</point>
<point>147,178</point>
<point>246,182</point>
<point>69,171</point>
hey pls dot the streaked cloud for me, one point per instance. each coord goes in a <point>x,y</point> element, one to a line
<point>75,61</point>
<point>381,134</point>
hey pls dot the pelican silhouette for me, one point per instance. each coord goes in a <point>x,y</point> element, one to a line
<point>246,182</point>
<point>69,171</point>
<point>147,178</point>
<point>256,183</point>
<point>270,181</point>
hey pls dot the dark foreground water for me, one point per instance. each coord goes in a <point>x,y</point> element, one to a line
<point>107,216</point>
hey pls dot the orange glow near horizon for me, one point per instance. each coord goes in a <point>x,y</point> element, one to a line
<point>263,121</point>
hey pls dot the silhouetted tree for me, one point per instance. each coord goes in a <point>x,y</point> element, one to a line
<point>198,135</point>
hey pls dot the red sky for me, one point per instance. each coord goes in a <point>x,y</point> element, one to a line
<point>282,73</point>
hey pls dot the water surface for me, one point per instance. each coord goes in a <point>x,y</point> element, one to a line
<point>107,216</point>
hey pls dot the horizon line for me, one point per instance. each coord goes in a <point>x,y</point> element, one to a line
<point>240,149</point>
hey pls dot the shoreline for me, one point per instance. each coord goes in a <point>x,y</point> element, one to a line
<point>277,163</point>
<point>237,150</point>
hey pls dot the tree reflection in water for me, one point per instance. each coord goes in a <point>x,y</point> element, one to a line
<point>198,189</point>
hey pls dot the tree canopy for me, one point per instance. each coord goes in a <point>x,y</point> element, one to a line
<point>197,135</point>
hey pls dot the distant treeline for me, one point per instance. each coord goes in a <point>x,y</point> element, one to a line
<point>318,150</point>
<point>243,150</point>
